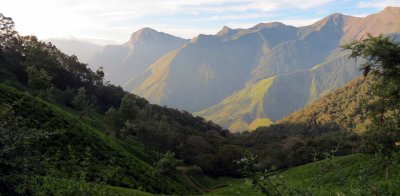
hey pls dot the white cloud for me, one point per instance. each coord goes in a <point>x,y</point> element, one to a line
<point>378,4</point>
<point>238,16</point>
<point>116,19</point>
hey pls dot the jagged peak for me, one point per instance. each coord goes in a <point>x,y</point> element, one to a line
<point>336,16</point>
<point>225,30</point>
<point>333,19</point>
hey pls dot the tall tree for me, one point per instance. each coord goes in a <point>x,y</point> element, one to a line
<point>81,101</point>
<point>128,107</point>
<point>11,48</point>
<point>124,115</point>
<point>382,55</point>
<point>39,79</point>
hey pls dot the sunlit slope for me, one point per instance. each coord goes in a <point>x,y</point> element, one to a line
<point>307,63</point>
<point>203,72</point>
<point>236,110</point>
<point>125,62</point>
<point>282,95</point>
<point>342,106</point>
<point>153,86</point>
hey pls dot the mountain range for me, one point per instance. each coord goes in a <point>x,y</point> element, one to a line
<point>126,61</point>
<point>82,49</point>
<point>243,78</point>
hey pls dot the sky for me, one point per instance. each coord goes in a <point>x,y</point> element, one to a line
<point>112,21</point>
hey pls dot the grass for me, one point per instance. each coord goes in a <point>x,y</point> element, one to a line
<point>231,111</point>
<point>260,122</point>
<point>60,186</point>
<point>234,187</point>
<point>349,175</point>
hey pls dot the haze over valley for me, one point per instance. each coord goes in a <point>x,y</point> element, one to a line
<point>200,97</point>
<point>240,78</point>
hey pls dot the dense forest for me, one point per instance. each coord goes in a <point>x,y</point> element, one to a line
<point>66,131</point>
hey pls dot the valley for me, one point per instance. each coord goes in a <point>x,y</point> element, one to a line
<point>209,73</point>
<point>272,109</point>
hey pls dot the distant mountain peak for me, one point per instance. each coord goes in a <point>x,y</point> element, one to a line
<point>390,11</point>
<point>144,33</point>
<point>268,25</point>
<point>336,16</point>
<point>147,29</point>
<point>336,19</point>
<point>224,31</point>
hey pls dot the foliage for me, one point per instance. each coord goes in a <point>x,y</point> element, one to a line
<point>65,129</point>
<point>288,145</point>
<point>81,101</point>
<point>15,135</point>
<point>167,165</point>
<point>382,56</point>
<point>343,107</point>
<point>38,80</point>
<point>74,183</point>
<point>269,182</point>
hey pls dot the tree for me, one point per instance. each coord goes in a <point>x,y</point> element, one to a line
<point>167,165</point>
<point>80,101</point>
<point>115,120</point>
<point>38,79</point>
<point>264,180</point>
<point>125,114</point>
<point>226,155</point>
<point>382,55</point>
<point>128,107</point>
<point>6,27</point>
<point>11,48</point>
<point>7,32</point>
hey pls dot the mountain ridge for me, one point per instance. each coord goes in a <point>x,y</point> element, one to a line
<point>126,61</point>
<point>210,69</point>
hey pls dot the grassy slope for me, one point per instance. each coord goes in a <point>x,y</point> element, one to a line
<point>233,110</point>
<point>260,122</point>
<point>343,176</point>
<point>89,132</point>
<point>234,187</point>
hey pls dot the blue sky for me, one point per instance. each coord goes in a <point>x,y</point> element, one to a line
<point>112,21</point>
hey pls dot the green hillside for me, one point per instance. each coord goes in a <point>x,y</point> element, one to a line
<point>65,130</point>
<point>357,174</point>
<point>343,107</point>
